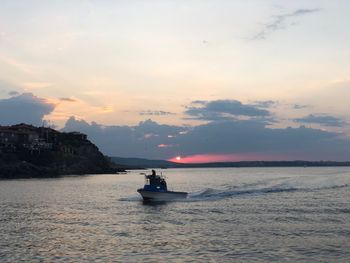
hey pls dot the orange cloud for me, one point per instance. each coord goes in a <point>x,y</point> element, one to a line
<point>162,145</point>
<point>212,158</point>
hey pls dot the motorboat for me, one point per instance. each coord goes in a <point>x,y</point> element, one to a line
<point>155,189</point>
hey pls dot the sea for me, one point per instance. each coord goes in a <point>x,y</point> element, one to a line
<point>231,215</point>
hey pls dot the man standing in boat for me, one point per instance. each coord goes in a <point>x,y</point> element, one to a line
<point>156,181</point>
<point>153,178</point>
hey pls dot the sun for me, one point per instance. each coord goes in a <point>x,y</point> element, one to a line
<point>178,158</point>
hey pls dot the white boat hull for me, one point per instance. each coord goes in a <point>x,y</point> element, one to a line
<point>161,196</point>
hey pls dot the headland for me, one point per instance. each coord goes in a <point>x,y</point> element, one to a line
<point>27,151</point>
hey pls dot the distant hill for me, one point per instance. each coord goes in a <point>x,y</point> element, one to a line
<point>137,163</point>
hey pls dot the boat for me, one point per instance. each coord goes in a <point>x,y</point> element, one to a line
<point>155,189</point>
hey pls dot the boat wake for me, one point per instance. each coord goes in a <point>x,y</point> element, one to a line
<point>264,186</point>
<point>269,186</point>
<point>131,198</point>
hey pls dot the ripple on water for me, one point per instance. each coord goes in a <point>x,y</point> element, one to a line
<point>232,215</point>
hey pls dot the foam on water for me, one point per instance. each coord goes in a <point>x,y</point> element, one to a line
<point>265,186</point>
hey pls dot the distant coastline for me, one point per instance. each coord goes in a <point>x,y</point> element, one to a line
<point>139,163</point>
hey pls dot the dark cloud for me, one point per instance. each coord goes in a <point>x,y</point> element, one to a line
<point>322,119</point>
<point>155,113</point>
<point>200,102</point>
<point>68,99</point>
<point>24,108</point>
<point>13,93</point>
<point>243,137</point>
<point>141,140</point>
<point>280,22</point>
<point>221,137</point>
<point>223,110</point>
<point>300,106</point>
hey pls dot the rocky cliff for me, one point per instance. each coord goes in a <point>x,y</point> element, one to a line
<point>30,152</point>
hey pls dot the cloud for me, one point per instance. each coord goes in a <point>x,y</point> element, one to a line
<point>25,108</point>
<point>162,145</point>
<point>155,113</point>
<point>219,110</point>
<point>264,103</point>
<point>68,99</point>
<point>280,22</point>
<point>300,106</point>
<point>242,139</point>
<point>142,140</point>
<point>13,93</point>
<point>322,119</point>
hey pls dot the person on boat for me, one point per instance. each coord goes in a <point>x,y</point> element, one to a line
<point>163,183</point>
<point>152,177</point>
<point>156,181</point>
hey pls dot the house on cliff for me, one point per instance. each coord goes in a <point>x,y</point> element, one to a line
<point>24,136</point>
<point>11,138</point>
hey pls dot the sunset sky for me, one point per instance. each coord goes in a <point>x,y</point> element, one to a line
<point>206,80</point>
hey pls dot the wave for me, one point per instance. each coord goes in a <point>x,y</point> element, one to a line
<point>264,186</point>
<point>280,185</point>
<point>211,194</point>
<point>131,198</point>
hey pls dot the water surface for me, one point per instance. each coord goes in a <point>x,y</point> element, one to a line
<point>231,215</point>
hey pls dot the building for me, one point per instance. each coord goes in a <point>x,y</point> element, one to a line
<point>78,135</point>
<point>23,136</point>
<point>8,136</point>
<point>17,135</point>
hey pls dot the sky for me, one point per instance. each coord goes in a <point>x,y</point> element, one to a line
<point>205,80</point>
